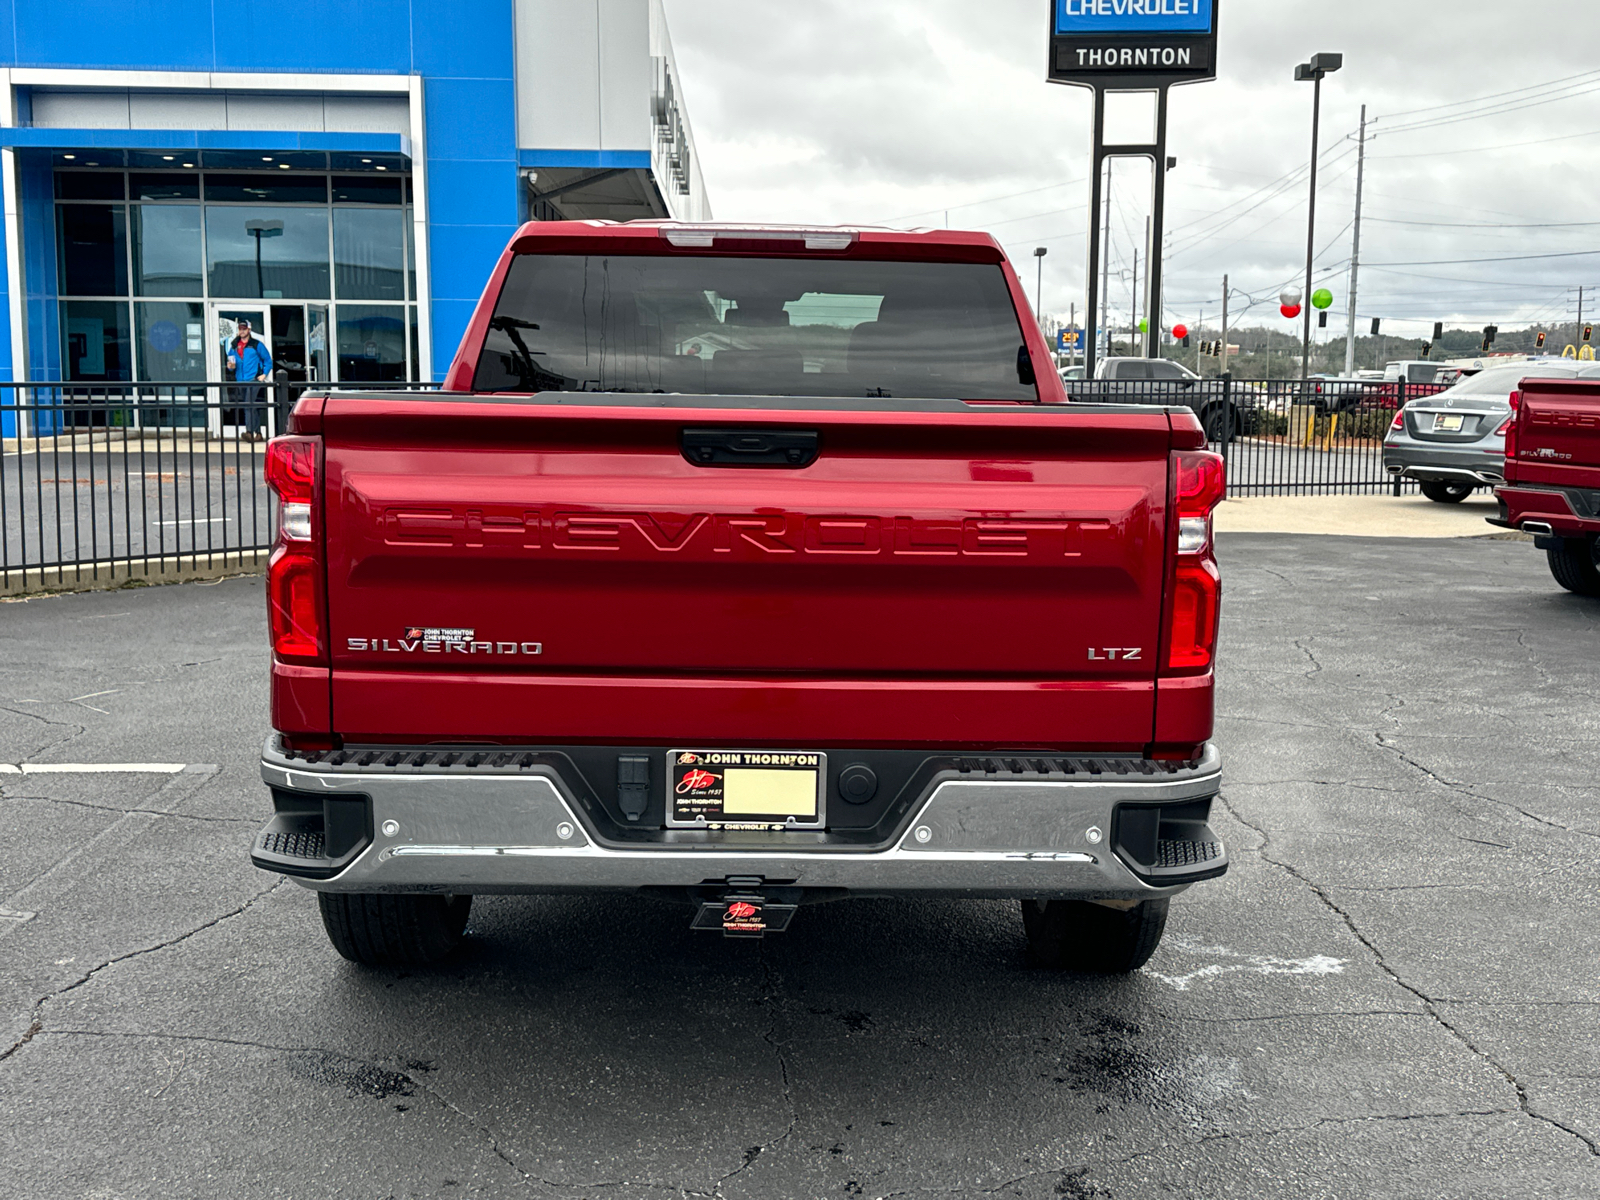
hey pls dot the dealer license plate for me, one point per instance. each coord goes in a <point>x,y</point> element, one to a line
<point>746,789</point>
<point>1447,423</point>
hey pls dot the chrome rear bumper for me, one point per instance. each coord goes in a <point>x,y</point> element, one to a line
<point>986,837</point>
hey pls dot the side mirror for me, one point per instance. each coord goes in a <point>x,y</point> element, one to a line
<point>1024,365</point>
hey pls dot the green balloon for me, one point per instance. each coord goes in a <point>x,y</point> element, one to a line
<point>1144,326</point>
<point>1321,298</point>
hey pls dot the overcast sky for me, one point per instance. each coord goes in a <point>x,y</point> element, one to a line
<point>894,111</point>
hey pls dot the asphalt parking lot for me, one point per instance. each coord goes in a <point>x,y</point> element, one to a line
<point>1392,994</point>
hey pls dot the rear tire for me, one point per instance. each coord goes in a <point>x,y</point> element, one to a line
<point>1441,492</point>
<point>1572,563</point>
<point>379,930</point>
<point>1075,935</point>
<point>1220,424</point>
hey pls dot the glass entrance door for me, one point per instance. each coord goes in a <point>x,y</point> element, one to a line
<point>246,406</point>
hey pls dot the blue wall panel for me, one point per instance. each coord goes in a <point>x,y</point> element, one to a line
<point>204,35</point>
<point>465,51</point>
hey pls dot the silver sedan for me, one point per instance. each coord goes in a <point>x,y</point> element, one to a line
<point>1454,442</point>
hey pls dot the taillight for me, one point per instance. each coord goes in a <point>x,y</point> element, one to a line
<point>295,603</point>
<point>1399,421</point>
<point>1192,637</point>
<point>1509,429</point>
<point>1198,486</point>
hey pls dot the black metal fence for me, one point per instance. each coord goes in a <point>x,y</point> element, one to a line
<point>1284,437</point>
<point>107,482</point>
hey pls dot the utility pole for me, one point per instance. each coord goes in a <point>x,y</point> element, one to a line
<point>1133,320</point>
<point>1105,264</point>
<point>1355,248</point>
<point>1153,340</point>
<point>1199,330</point>
<point>1224,324</point>
<point>1580,306</point>
<point>1320,65</point>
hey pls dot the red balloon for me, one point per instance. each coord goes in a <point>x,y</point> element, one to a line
<point>1290,310</point>
<point>1180,332</point>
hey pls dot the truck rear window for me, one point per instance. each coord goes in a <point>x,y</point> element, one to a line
<point>755,326</point>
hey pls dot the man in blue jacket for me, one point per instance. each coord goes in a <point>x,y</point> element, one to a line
<point>250,361</point>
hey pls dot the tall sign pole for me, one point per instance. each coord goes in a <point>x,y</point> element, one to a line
<point>1110,47</point>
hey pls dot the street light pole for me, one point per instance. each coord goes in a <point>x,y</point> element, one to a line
<point>1038,287</point>
<point>1320,65</point>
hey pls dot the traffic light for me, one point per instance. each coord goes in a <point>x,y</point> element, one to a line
<point>1322,319</point>
<point>1488,336</point>
<point>1186,341</point>
<point>1438,331</point>
<point>1538,341</point>
<point>1427,349</point>
<point>1216,349</point>
<point>1588,332</point>
<point>1376,322</point>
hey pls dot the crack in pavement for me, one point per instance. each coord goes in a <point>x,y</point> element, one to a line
<point>124,812</point>
<point>769,980</point>
<point>1245,1135</point>
<point>1463,790</point>
<point>36,1027</point>
<point>1316,666</point>
<point>1429,1004</point>
<point>77,730</point>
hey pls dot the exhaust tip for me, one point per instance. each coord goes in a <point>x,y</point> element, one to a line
<point>1537,528</point>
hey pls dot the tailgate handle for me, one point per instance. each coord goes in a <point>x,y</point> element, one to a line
<point>750,447</point>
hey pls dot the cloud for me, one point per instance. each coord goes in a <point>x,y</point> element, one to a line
<point>890,110</point>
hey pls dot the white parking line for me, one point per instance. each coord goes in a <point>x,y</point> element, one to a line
<point>91,768</point>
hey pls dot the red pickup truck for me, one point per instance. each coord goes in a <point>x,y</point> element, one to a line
<point>753,567</point>
<point>1552,487</point>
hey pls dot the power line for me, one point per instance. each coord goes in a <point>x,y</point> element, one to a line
<point>1532,87</point>
<point>1447,262</point>
<point>1486,225</point>
<point>1491,111</point>
<point>1565,137</point>
<point>928,212</point>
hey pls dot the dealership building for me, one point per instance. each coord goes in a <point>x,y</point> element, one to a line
<point>344,173</point>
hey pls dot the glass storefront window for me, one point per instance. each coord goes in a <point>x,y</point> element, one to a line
<point>372,342</point>
<point>336,276</point>
<point>267,189</point>
<point>92,249</point>
<point>89,185</point>
<point>172,341</point>
<point>94,340</point>
<point>292,244</point>
<point>166,187</point>
<point>366,189</point>
<point>368,253</point>
<point>411,256</point>
<point>166,250</point>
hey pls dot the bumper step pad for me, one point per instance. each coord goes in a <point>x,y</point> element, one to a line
<point>1172,852</point>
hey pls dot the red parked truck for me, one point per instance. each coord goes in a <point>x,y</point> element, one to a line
<point>1552,487</point>
<point>749,566</point>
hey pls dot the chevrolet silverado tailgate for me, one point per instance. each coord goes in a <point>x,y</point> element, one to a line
<point>556,568</point>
